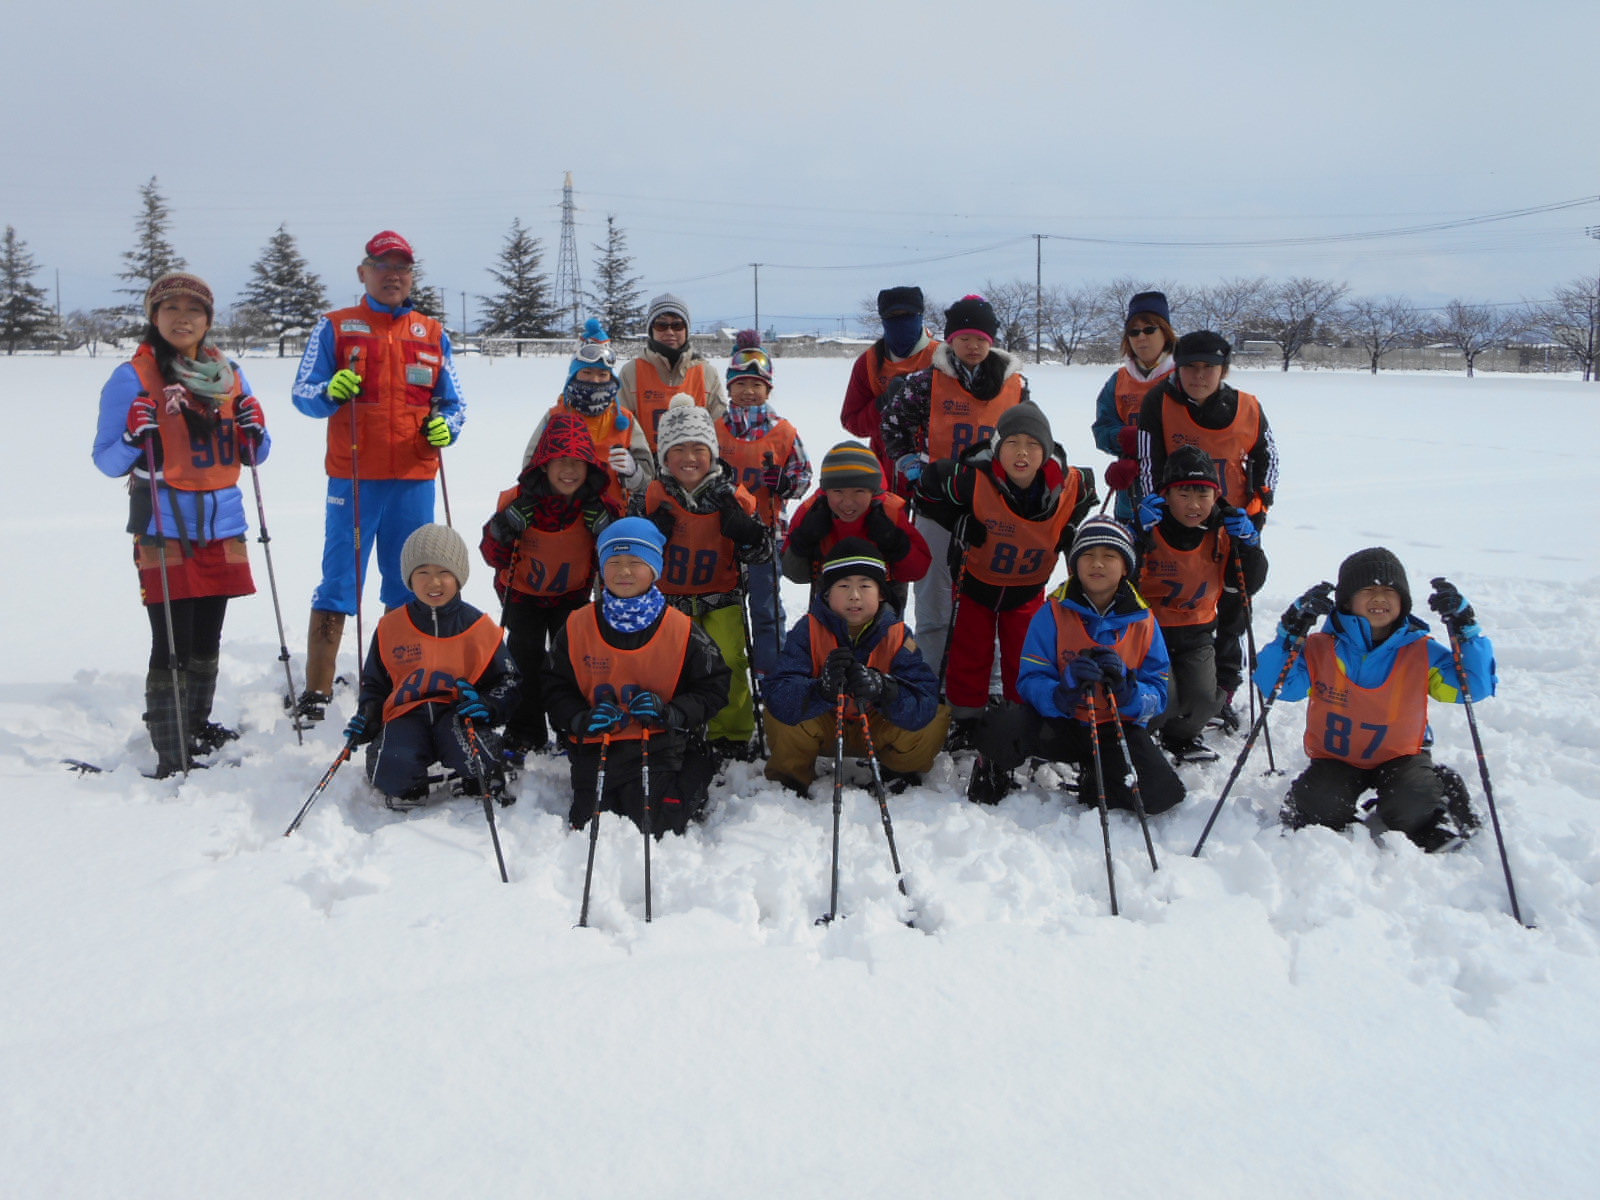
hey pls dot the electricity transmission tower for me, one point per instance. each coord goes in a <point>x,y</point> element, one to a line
<point>569,288</point>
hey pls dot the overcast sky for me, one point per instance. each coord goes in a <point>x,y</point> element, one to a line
<point>847,146</point>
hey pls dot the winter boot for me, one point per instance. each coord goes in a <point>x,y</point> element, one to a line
<point>322,657</point>
<point>961,733</point>
<point>205,735</point>
<point>989,783</point>
<point>1189,750</point>
<point>1227,718</point>
<point>164,713</point>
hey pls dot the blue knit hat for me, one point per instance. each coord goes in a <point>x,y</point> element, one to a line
<point>636,536</point>
<point>1150,302</point>
<point>594,350</point>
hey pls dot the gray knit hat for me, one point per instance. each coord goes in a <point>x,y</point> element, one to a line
<point>685,421</point>
<point>439,545</point>
<point>666,304</point>
<point>1026,418</point>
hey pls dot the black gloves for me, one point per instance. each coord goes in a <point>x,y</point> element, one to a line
<point>885,534</point>
<point>1300,616</point>
<point>836,668</point>
<point>1453,609</point>
<point>662,519</point>
<point>870,686</point>
<point>805,538</point>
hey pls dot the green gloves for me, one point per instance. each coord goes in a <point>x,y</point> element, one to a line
<point>344,386</point>
<point>437,431</point>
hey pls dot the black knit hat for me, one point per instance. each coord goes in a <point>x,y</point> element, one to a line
<point>1101,531</point>
<point>1025,418</point>
<point>1192,465</point>
<point>971,314</point>
<point>900,302</point>
<point>1202,346</point>
<point>854,556</point>
<point>1373,567</point>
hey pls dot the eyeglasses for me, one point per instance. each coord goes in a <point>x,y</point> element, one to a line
<point>670,326</point>
<point>1142,330</point>
<point>751,356</point>
<point>387,268</point>
<point>596,352</point>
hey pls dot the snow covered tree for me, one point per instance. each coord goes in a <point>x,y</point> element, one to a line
<point>1379,326</point>
<point>617,298</point>
<point>1474,328</point>
<point>285,294</point>
<point>1291,312</point>
<point>1572,320</point>
<point>24,311</point>
<point>152,255</point>
<point>429,301</point>
<point>89,327</point>
<point>523,308</point>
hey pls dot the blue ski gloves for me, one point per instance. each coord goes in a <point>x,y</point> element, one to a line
<point>910,467</point>
<point>1097,665</point>
<point>470,705</point>
<point>651,711</point>
<point>362,729</point>
<point>1151,509</point>
<point>604,717</point>
<point>437,431</point>
<point>1120,683</point>
<point>1300,616</point>
<point>344,387</point>
<point>1240,527</point>
<point>1453,610</point>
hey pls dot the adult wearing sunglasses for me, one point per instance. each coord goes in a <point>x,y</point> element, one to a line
<point>669,365</point>
<point>381,374</point>
<point>1147,342</point>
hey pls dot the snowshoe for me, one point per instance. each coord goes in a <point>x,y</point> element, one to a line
<point>210,738</point>
<point>896,782</point>
<point>311,707</point>
<point>962,731</point>
<point>1189,750</point>
<point>989,782</point>
<point>1227,719</point>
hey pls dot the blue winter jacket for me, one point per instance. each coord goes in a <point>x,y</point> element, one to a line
<point>1369,666</point>
<point>1039,674</point>
<point>317,366</point>
<point>207,516</point>
<point>791,692</point>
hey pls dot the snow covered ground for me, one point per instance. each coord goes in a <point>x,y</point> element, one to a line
<point>193,1005</point>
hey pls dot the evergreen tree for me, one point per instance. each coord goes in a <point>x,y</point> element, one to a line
<point>285,294</point>
<point>523,307</point>
<point>429,301</point>
<point>24,312</point>
<point>616,299</point>
<point>152,255</point>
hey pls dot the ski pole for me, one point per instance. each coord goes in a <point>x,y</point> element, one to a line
<point>265,539</point>
<point>777,573</point>
<point>750,668</point>
<point>594,826</point>
<point>327,778</point>
<point>1133,776</point>
<point>955,611</point>
<point>1483,770</point>
<point>166,600</point>
<point>883,803</point>
<point>838,804</point>
<point>478,757</point>
<point>1250,681</point>
<point>1296,644</point>
<point>355,505</point>
<point>444,485</point>
<point>1100,797</point>
<point>644,779</point>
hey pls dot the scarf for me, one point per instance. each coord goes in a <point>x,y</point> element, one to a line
<point>198,389</point>
<point>749,421</point>
<point>591,399</point>
<point>632,615</point>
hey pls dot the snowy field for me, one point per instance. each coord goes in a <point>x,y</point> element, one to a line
<point>193,1005</point>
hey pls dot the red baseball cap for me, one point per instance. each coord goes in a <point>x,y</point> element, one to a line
<point>389,242</point>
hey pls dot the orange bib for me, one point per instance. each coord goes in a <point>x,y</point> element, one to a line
<point>1072,639</point>
<point>605,673</point>
<point>698,560</point>
<point>546,563</point>
<point>882,370</point>
<point>749,459</point>
<point>956,420</point>
<point>1229,447</point>
<point>1018,552</point>
<point>425,667</point>
<point>1365,726</point>
<point>1131,391</point>
<point>1182,587</point>
<point>652,396</point>
<point>880,658</point>
<point>190,463</point>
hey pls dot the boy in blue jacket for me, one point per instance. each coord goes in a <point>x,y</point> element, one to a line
<point>1094,656</point>
<point>1369,674</point>
<point>852,642</point>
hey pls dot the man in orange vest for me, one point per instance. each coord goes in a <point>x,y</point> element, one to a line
<point>904,348</point>
<point>382,376</point>
<point>668,366</point>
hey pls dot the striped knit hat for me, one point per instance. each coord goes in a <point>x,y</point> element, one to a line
<point>438,545</point>
<point>179,283</point>
<point>1101,531</point>
<point>851,465</point>
<point>854,556</point>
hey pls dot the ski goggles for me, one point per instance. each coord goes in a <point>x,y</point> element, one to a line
<point>599,353</point>
<point>750,361</point>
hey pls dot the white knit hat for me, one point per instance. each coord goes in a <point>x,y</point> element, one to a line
<point>685,421</point>
<point>439,545</point>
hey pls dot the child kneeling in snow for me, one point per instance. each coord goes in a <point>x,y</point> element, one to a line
<point>1369,673</point>
<point>436,679</point>
<point>854,643</point>
<point>1094,659</point>
<point>631,676</point>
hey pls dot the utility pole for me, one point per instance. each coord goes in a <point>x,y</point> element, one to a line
<point>1594,311</point>
<point>1038,294</point>
<point>569,288</point>
<point>60,337</point>
<point>463,318</point>
<point>756,267</point>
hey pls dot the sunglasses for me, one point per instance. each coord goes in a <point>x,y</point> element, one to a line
<point>389,268</point>
<point>751,356</point>
<point>600,353</point>
<point>1142,330</point>
<point>670,326</point>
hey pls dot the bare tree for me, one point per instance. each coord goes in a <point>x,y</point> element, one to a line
<point>1226,307</point>
<point>1013,305</point>
<point>1474,328</point>
<point>1379,326</point>
<point>1292,313</point>
<point>1071,317</point>
<point>1571,319</point>
<point>932,315</point>
<point>88,328</point>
